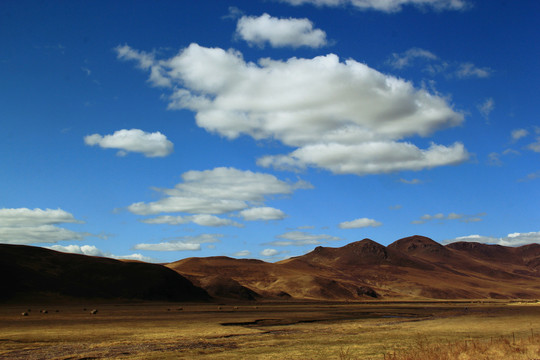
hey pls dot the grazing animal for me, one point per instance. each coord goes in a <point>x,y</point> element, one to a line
<point>93,312</point>
<point>24,314</point>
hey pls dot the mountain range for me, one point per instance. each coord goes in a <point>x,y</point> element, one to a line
<point>415,267</point>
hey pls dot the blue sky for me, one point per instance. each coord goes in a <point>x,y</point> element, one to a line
<point>261,129</point>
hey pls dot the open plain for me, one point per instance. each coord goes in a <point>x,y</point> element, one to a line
<point>258,330</point>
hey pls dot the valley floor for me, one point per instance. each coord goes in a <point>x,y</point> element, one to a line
<point>372,330</point>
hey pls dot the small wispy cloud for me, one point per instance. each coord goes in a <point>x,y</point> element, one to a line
<point>494,159</point>
<point>440,217</point>
<point>91,250</point>
<point>535,146</point>
<point>269,252</point>
<point>242,253</point>
<point>406,59</point>
<point>279,32</point>
<point>199,219</point>
<point>517,134</point>
<point>359,223</point>
<point>388,6</point>
<point>135,140</point>
<point>262,213</point>
<point>486,107</point>
<point>86,71</point>
<point>433,65</point>
<point>299,238</point>
<point>530,177</point>
<point>469,70</point>
<point>410,182</point>
<point>184,243</point>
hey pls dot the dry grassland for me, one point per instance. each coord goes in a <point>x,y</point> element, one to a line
<point>391,331</point>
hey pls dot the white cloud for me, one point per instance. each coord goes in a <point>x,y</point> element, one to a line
<point>86,70</point>
<point>410,182</point>
<point>486,107</point>
<point>299,238</point>
<point>211,220</point>
<point>495,159</point>
<point>145,61</point>
<point>369,158</point>
<point>184,243</point>
<point>169,246</point>
<point>435,65</point>
<point>519,133</point>
<point>359,223</point>
<point>306,227</point>
<point>218,191</point>
<point>242,253</point>
<point>137,256</point>
<point>452,216</point>
<point>200,219</point>
<point>279,32</point>
<point>38,234</point>
<point>345,108</point>
<point>531,176</point>
<point>262,213</point>
<point>510,152</point>
<point>535,146</point>
<point>34,217</point>
<point>468,70</point>
<point>388,6</point>
<point>270,252</point>
<point>31,226</point>
<point>514,239</point>
<point>134,140</point>
<point>405,59</point>
<point>167,219</point>
<point>234,13</point>
<point>76,249</point>
<point>91,250</point>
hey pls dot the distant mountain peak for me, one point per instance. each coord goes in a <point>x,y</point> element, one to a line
<point>366,247</point>
<point>415,243</point>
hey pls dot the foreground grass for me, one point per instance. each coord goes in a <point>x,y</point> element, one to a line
<point>290,331</point>
<point>504,348</point>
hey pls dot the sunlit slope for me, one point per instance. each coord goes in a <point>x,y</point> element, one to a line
<point>415,267</point>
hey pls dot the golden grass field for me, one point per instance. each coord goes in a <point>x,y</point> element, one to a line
<point>373,330</point>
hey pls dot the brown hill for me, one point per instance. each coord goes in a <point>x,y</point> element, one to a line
<point>364,253</point>
<point>417,244</point>
<point>35,273</point>
<point>412,267</point>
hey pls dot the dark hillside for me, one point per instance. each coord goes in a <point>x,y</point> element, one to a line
<point>37,272</point>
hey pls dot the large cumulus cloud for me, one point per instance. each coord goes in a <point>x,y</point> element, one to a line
<point>342,116</point>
